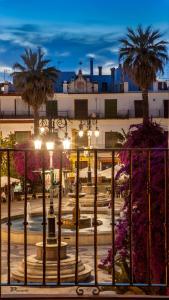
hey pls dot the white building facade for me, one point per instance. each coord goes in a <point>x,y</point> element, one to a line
<point>115,112</point>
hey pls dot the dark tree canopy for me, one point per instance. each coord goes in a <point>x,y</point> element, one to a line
<point>35,80</point>
<point>144,54</point>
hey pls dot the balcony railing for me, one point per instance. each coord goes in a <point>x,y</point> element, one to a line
<point>121,114</point>
<point>25,269</point>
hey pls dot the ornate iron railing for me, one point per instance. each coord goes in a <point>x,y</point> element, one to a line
<point>8,154</point>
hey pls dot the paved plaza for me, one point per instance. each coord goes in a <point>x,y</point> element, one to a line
<point>17,253</point>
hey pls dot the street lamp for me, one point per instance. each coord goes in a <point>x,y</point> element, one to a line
<point>51,238</point>
<point>66,142</point>
<point>91,121</point>
<point>81,132</point>
<point>97,132</point>
<point>52,125</point>
<point>38,144</point>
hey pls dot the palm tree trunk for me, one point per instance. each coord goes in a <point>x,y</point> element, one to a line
<point>36,122</point>
<point>145,106</point>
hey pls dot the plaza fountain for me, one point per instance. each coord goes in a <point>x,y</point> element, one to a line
<point>35,262</point>
<point>67,266</point>
<point>86,197</point>
<point>84,221</point>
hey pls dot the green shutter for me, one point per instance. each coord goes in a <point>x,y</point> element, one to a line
<point>51,109</point>
<point>111,108</point>
<point>166,108</point>
<point>138,104</point>
<point>81,109</point>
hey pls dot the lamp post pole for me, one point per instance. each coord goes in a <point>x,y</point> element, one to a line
<point>51,239</point>
<point>89,172</point>
<point>51,124</point>
<point>89,124</point>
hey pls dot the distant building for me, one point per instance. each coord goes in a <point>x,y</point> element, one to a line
<point>112,99</point>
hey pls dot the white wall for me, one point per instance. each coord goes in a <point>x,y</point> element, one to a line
<point>125,102</point>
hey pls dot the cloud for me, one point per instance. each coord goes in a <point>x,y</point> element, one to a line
<point>62,54</point>
<point>65,44</point>
<point>6,69</point>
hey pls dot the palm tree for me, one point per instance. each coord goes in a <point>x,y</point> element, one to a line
<point>144,54</point>
<point>35,81</point>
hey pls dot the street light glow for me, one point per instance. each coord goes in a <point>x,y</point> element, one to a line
<point>97,132</point>
<point>50,145</point>
<point>42,130</point>
<point>66,143</point>
<point>89,132</point>
<point>81,133</point>
<point>37,144</point>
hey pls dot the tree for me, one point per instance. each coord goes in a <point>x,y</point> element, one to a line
<point>148,188</point>
<point>144,54</point>
<point>7,142</point>
<point>35,81</point>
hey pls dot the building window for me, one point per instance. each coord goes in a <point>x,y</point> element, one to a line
<point>51,108</point>
<point>166,109</point>
<point>81,109</point>
<point>22,136</point>
<point>111,139</point>
<point>138,107</point>
<point>110,108</point>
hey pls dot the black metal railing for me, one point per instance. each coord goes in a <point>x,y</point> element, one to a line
<point>95,282</point>
<point>121,114</point>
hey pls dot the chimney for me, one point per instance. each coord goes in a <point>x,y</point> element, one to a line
<point>65,87</point>
<point>126,87</point>
<point>155,86</point>
<point>112,71</point>
<point>113,76</point>
<point>6,87</point>
<point>100,70</point>
<point>91,65</point>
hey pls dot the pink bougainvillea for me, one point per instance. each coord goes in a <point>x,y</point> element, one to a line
<point>36,160</point>
<point>148,206</point>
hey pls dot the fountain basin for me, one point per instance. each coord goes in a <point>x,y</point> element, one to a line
<point>84,222</point>
<point>35,233</point>
<point>67,266</point>
<point>103,200</point>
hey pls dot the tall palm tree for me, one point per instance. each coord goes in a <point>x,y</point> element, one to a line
<point>34,80</point>
<point>144,54</point>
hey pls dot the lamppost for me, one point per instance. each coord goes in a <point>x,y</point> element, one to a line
<point>52,126</point>
<point>39,142</point>
<point>51,219</point>
<point>89,123</point>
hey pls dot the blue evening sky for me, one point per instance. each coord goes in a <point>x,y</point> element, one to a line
<point>71,31</point>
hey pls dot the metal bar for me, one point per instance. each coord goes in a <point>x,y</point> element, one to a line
<point>83,284</point>
<point>113,217</point>
<point>59,217</point>
<point>100,149</point>
<point>25,220</point>
<point>95,217</point>
<point>130,217</point>
<point>77,219</point>
<point>9,219</point>
<point>0,229</point>
<point>149,213</point>
<point>166,215</point>
<point>44,216</point>
<point>115,149</point>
